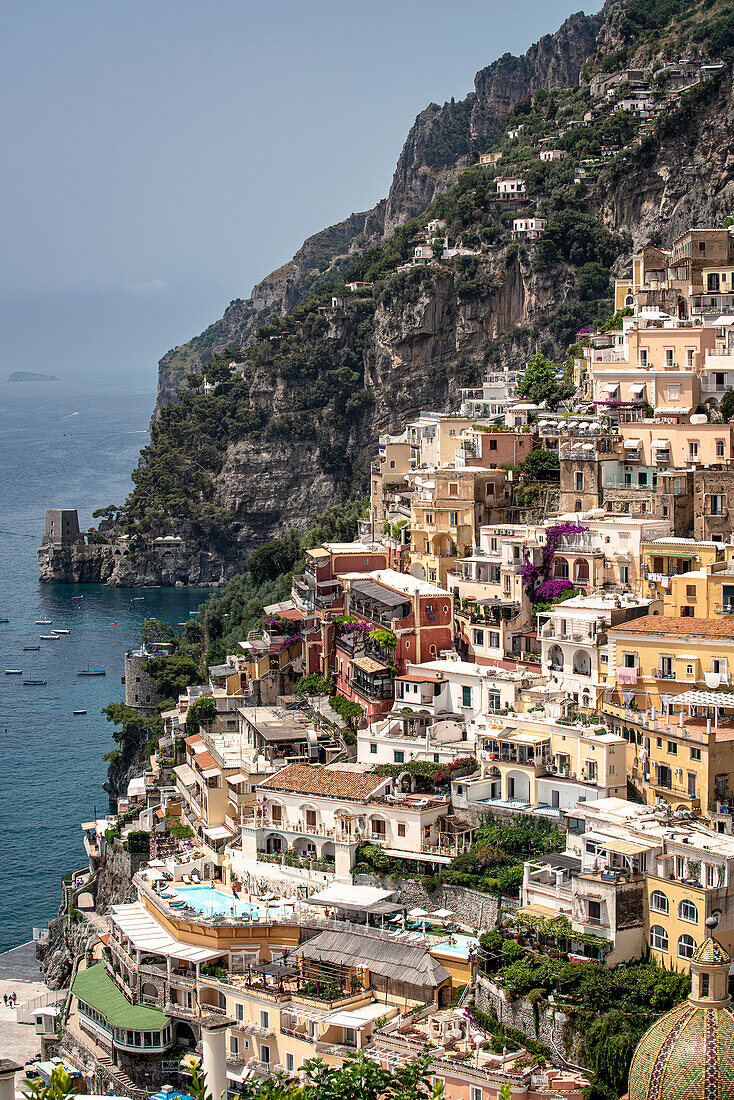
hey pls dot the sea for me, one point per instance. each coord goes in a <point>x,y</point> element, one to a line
<point>64,444</point>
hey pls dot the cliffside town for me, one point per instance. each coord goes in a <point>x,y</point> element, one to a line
<point>447,771</point>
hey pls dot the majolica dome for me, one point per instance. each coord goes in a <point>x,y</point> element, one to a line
<point>689,1053</point>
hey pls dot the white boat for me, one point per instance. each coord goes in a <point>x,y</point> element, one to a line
<point>49,637</point>
<point>13,671</point>
<point>60,631</point>
<point>44,622</point>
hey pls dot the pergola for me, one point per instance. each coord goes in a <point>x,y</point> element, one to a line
<point>694,700</point>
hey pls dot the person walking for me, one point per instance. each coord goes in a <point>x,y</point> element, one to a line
<point>5,998</point>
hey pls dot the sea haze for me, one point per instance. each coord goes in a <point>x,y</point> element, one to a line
<point>62,444</point>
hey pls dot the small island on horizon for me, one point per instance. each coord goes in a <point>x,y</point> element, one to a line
<point>29,376</point>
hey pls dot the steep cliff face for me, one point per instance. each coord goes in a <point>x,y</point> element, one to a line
<point>685,179</point>
<point>442,139</point>
<point>441,143</point>
<point>144,566</point>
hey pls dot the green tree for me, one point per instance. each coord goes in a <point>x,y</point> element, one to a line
<point>154,631</point>
<point>200,713</point>
<point>727,406</point>
<point>541,465</point>
<point>172,675</point>
<point>58,1088</point>
<point>539,381</point>
<point>358,1078</point>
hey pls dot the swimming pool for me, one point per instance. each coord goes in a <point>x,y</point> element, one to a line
<point>216,903</point>
<point>460,948</point>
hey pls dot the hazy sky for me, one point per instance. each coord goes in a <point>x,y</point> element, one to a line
<point>161,156</point>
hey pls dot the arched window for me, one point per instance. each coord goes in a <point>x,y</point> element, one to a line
<point>686,947</point>
<point>688,911</point>
<point>659,902</point>
<point>629,300</point>
<point>658,938</point>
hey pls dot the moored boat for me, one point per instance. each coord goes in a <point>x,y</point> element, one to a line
<point>13,671</point>
<point>91,672</point>
<point>34,681</point>
<point>80,712</point>
<point>31,647</point>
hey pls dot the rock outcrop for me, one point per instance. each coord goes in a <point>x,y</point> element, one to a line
<point>144,566</point>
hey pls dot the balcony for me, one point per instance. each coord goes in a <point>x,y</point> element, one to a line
<point>665,674</point>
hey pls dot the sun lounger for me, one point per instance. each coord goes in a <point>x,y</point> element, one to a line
<point>195,877</point>
<point>186,879</point>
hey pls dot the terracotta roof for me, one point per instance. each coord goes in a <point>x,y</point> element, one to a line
<point>304,779</point>
<point>205,760</point>
<point>194,739</point>
<point>417,677</point>
<point>673,624</point>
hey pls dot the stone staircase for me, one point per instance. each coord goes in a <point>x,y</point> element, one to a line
<point>123,1084</point>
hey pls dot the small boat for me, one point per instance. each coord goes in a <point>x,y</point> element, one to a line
<point>91,672</point>
<point>44,622</point>
<point>28,647</point>
<point>80,712</point>
<point>134,599</point>
<point>13,671</point>
<point>77,597</point>
<point>60,631</point>
<point>49,637</point>
<point>34,681</point>
<point>4,620</point>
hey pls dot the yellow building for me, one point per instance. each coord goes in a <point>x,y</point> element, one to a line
<point>688,764</point>
<point>661,655</point>
<point>666,560</point>
<point>541,761</point>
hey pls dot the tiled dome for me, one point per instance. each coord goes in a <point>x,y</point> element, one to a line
<point>689,1053</point>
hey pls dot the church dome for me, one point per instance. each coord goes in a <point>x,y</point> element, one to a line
<point>689,1053</point>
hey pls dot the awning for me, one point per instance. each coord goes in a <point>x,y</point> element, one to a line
<point>536,911</point>
<point>186,774</point>
<point>660,444</point>
<point>347,1019</point>
<point>632,444</point>
<point>620,847</point>
<point>218,832</point>
<point>238,777</point>
<point>637,388</point>
<point>209,773</point>
<point>611,387</point>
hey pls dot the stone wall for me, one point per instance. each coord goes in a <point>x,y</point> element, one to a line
<point>471,907</point>
<point>543,1024</point>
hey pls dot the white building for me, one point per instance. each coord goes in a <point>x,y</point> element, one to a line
<point>552,154</point>
<point>528,229</point>
<point>512,188</point>
<point>573,640</point>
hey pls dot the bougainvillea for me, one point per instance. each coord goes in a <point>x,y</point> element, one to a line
<point>536,577</point>
<point>551,588</point>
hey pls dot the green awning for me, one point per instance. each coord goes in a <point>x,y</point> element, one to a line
<point>95,987</point>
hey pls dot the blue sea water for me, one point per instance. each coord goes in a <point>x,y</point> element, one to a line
<point>62,444</point>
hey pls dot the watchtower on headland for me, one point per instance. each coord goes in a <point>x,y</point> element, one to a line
<point>62,527</point>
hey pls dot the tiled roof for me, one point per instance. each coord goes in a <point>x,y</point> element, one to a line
<point>194,739</point>
<point>205,760</point>
<point>304,779</point>
<point>711,951</point>
<point>673,624</point>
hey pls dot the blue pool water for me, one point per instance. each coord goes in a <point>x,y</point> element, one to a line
<point>215,903</point>
<point>460,948</point>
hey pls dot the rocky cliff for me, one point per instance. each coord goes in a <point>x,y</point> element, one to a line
<point>292,430</point>
<point>441,142</point>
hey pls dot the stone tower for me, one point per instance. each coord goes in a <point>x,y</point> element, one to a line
<point>62,527</point>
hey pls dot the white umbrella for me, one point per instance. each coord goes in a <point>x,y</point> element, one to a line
<point>154,875</point>
<point>398,919</point>
<point>443,913</point>
<point>415,913</point>
<point>156,863</point>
